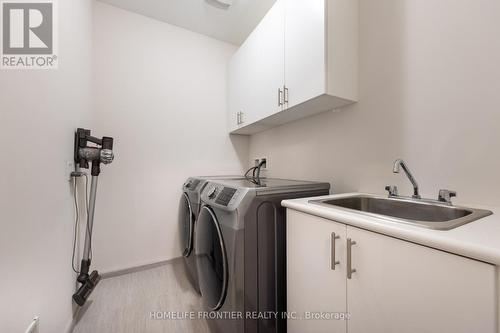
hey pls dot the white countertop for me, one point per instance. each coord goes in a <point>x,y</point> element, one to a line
<point>478,240</point>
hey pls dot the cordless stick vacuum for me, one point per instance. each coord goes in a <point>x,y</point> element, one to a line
<point>100,151</point>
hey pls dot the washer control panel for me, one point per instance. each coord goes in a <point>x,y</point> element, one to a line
<point>191,184</point>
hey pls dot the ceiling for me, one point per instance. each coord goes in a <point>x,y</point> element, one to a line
<point>230,24</point>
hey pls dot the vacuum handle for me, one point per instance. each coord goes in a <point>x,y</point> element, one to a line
<point>107,143</point>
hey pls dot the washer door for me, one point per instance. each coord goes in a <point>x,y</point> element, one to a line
<point>211,260</point>
<point>186,225</point>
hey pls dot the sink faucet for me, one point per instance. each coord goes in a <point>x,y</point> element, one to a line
<point>444,195</point>
<point>400,164</point>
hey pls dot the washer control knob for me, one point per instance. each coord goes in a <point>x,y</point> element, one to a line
<point>187,184</point>
<point>212,193</point>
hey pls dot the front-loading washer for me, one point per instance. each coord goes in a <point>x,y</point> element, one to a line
<point>189,207</point>
<point>241,252</point>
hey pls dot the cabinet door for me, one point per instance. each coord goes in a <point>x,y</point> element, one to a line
<point>401,287</point>
<point>265,64</point>
<point>236,89</point>
<point>312,284</point>
<point>305,54</point>
<point>256,71</point>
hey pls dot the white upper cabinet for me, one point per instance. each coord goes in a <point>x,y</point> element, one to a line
<point>301,59</point>
<point>256,71</point>
<point>305,62</point>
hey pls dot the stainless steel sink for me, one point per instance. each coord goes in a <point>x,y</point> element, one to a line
<point>428,214</point>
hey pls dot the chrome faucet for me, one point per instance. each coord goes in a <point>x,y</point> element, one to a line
<point>400,164</point>
<point>444,195</point>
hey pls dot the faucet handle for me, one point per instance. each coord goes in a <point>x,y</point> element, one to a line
<point>446,195</point>
<point>392,189</point>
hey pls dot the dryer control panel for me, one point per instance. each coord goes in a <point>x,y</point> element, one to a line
<point>225,196</point>
<point>221,195</point>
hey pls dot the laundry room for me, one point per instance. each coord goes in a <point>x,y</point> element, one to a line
<point>237,166</point>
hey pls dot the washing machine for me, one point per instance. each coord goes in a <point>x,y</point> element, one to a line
<point>241,251</point>
<point>189,207</point>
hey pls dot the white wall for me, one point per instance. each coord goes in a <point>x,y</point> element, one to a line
<point>429,93</point>
<point>161,92</point>
<point>39,111</point>
<point>430,78</point>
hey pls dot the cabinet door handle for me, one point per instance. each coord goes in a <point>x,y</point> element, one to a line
<point>239,118</point>
<point>350,270</point>
<point>285,89</point>
<point>334,262</point>
<point>280,97</point>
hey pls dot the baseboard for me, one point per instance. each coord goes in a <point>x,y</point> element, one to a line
<point>128,270</point>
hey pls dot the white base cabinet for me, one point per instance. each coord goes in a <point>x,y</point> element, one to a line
<point>395,286</point>
<point>312,282</point>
